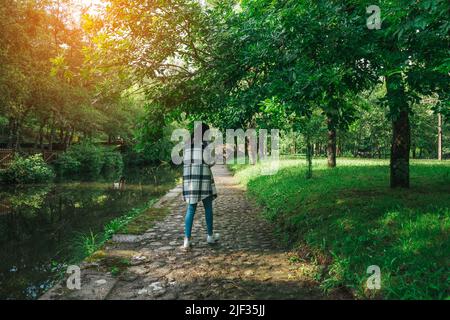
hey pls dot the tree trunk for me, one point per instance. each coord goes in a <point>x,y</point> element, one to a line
<point>331,146</point>
<point>11,135</point>
<point>61,135</point>
<point>400,151</point>
<point>309,154</point>
<point>439,136</point>
<point>52,135</point>
<point>17,143</point>
<point>41,137</point>
<point>401,136</point>
<point>294,143</point>
<point>69,142</point>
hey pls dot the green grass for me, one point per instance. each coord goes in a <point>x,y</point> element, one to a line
<point>350,215</point>
<point>87,244</point>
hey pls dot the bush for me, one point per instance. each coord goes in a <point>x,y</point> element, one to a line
<point>151,147</point>
<point>67,164</point>
<point>88,160</point>
<point>31,169</point>
<point>112,161</point>
<point>148,154</point>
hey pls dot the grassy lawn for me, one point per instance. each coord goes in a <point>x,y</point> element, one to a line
<point>348,219</point>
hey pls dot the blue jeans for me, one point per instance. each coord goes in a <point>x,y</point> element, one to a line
<point>207,204</point>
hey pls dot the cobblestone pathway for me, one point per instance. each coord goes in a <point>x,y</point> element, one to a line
<point>247,263</point>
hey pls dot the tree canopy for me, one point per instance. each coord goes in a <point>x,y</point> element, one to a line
<point>132,68</point>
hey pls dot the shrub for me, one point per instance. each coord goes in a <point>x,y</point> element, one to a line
<point>67,164</point>
<point>153,142</point>
<point>89,160</point>
<point>112,161</point>
<point>31,169</point>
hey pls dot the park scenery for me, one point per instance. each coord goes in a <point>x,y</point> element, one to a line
<point>331,169</point>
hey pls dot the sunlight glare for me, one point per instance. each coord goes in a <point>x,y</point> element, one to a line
<point>92,7</point>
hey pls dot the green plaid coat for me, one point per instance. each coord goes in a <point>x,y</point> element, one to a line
<point>198,181</point>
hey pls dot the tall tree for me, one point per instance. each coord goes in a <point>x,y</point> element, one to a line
<point>413,48</point>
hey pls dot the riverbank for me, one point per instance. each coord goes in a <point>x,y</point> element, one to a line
<point>100,268</point>
<point>347,218</point>
<point>46,227</point>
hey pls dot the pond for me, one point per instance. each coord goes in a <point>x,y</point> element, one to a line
<point>40,225</point>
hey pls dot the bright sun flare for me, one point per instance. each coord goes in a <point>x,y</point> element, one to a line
<point>92,7</point>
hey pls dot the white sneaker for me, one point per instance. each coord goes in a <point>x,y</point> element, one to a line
<point>212,239</point>
<point>187,243</point>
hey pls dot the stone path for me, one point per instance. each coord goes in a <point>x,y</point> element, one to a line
<point>247,263</point>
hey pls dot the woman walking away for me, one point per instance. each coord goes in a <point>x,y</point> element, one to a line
<point>198,184</point>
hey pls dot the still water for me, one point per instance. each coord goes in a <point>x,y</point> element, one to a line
<point>40,224</point>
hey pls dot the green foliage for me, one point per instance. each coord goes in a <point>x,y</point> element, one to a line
<point>270,63</point>
<point>112,161</point>
<point>67,165</point>
<point>153,142</point>
<point>51,91</point>
<point>89,243</point>
<point>150,152</point>
<point>349,214</point>
<point>29,200</point>
<point>31,169</point>
<point>89,160</point>
<point>115,271</point>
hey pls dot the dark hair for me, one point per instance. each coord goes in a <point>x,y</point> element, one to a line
<point>204,128</point>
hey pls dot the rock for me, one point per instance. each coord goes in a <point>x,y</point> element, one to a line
<point>142,291</point>
<point>138,270</point>
<point>169,296</point>
<point>156,264</point>
<point>139,258</point>
<point>100,282</point>
<point>162,271</point>
<point>155,286</point>
<point>165,248</point>
<point>158,293</point>
<point>125,238</point>
<point>128,276</point>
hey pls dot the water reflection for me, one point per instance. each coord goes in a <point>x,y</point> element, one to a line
<point>39,223</point>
